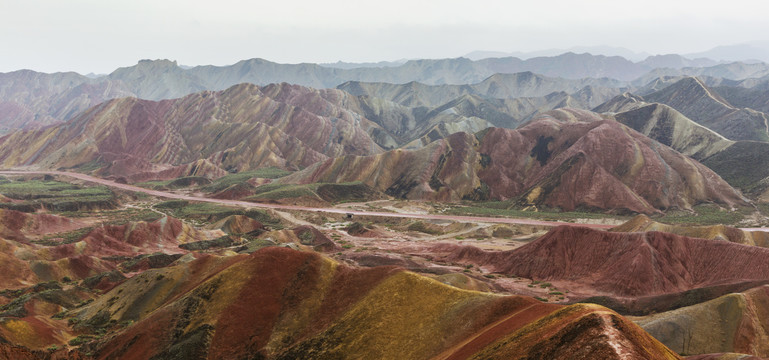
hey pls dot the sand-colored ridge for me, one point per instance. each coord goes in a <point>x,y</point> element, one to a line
<point>643,223</point>
<point>733,323</point>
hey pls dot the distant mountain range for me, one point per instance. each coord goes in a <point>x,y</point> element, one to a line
<point>29,98</point>
<point>749,52</point>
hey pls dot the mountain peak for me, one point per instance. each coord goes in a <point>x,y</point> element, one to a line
<point>157,62</point>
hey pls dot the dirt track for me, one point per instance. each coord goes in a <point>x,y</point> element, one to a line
<point>247,204</point>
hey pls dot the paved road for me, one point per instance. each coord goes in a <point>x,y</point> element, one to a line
<point>248,204</point>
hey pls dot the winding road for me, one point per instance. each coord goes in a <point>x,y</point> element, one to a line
<point>247,204</point>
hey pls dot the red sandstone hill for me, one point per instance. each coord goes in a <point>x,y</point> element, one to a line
<point>622,264</point>
<point>23,263</point>
<point>567,159</point>
<point>294,126</point>
<point>279,303</point>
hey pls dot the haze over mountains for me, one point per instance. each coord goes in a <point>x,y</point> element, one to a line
<point>37,98</point>
<point>739,52</point>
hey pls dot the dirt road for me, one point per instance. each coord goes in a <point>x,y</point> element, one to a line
<point>247,204</point>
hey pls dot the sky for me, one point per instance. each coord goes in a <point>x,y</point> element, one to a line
<point>98,36</point>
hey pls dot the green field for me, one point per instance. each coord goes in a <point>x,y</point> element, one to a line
<point>506,209</point>
<point>55,196</point>
<point>228,180</point>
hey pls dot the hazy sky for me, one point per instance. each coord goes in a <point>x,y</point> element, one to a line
<point>101,35</point>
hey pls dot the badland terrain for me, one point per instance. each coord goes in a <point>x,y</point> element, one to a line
<point>563,207</point>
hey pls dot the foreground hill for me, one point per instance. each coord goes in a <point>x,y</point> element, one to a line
<point>595,262</point>
<point>571,159</point>
<point>285,304</point>
<point>734,323</point>
<point>140,138</point>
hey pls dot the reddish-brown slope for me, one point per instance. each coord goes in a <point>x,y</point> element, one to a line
<point>17,226</point>
<point>23,263</point>
<point>126,136</point>
<point>11,352</point>
<point>573,160</point>
<point>568,159</point>
<point>442,170</point>
<point>623,264</point>
<point>134,238</point>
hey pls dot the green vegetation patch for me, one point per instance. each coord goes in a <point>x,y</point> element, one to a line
<point>509,209</point>
<point>333,193</point>
<point>283,191</point>
<point>56,196</point>
<point>228,180</point>
<point>80,340</point>
<point>705,214</point>
<point>209,212</point>
<point>420,226</point>
<point>347,192</point>
<point>50,292</point>
<point>188,181</point>
<point>64,238</point>
<point>154,184</point>
<point>220,242</point>
<point>44,189</point>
